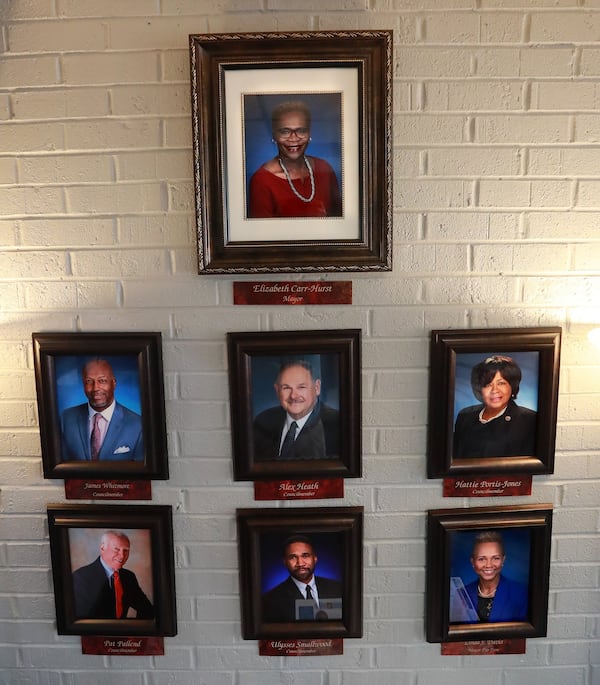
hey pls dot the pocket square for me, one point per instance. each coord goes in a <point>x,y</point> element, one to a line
<point>122,449</point>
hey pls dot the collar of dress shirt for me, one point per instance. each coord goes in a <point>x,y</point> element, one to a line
<point>302,587</point>
<point>106,413</point>
<point>107,569</point>
<point>299,422</point>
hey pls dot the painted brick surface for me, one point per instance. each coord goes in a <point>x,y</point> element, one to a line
<point>496,224</point>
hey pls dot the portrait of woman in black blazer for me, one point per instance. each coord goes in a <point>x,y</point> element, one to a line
<point>497,426</point>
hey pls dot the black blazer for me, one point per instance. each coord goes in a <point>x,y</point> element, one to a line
<point>94,597</point>
<point>318,439</point>
<point>279,604</point>
<point>510,435</point>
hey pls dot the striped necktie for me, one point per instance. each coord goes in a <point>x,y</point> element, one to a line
<point>96,437</point>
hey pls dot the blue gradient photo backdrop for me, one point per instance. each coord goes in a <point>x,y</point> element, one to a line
<point>264,373</point>
<point>528,362</point>
<point>326,129</point>
<point>327,546</point>
<point>517,547</point>
<point>69,385</point>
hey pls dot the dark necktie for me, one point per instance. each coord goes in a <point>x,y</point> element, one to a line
<point>309,594</point>
<point>118,594</point>
<point>96,437</point>
<point>288,441</point>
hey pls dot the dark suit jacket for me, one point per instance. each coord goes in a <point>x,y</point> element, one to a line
<point>94,597</point>
<point>510,435</point>
<point>279,604</point>
<point>510,601</point>
<point>318,439</point>
<point>123,440</point>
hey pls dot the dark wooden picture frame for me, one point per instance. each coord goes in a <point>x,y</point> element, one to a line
<point>255,360</point>
<point>523,437</point>
<point>336,537</point>
<point>355,67</point>
<point>75,535</point>
<point>135,361</point>
<point>521,597</point>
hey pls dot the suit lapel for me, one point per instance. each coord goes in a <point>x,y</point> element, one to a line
<point>499,600</point>
<point>114,428</point>
<point>293,590</point>
<point>313,419</point>
<point>314,415</point>
<point>108,594</point>
<point>82,427</point>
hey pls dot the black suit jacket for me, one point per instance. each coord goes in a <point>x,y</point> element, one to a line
<point>279,604</point>
<point>94,597</point>
<point>318,439</point>
<point>510,435</point>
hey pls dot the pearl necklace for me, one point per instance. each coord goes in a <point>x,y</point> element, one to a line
<point>311,197</point>
<point>481,593</point>
<point>482,420</point>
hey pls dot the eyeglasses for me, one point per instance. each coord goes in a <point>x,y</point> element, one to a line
<point>287,132</point>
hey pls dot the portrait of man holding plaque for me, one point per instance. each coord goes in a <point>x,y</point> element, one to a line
<point>294,589</point>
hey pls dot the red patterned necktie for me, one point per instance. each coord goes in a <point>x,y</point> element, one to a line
<point>118,594</point>
<point>96,437</point>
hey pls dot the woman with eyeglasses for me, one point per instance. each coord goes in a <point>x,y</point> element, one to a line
<point>293,184</point>
<point>498,426</point>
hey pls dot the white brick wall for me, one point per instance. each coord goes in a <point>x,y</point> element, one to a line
<point>496,224</point>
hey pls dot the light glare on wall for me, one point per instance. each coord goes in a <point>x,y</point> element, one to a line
<point>594,337</point>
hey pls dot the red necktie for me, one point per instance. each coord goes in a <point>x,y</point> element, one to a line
<point>118,594</point>
<point>96,437</point>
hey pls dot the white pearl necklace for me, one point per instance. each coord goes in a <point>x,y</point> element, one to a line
<point>311,197</point>
<point>482,420</point>
<point>485,594</point>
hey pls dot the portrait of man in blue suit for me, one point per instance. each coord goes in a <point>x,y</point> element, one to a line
<point>101,429</point>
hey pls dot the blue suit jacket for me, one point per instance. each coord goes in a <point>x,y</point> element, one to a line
<point>123,440</point>
<point>510,603</point>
